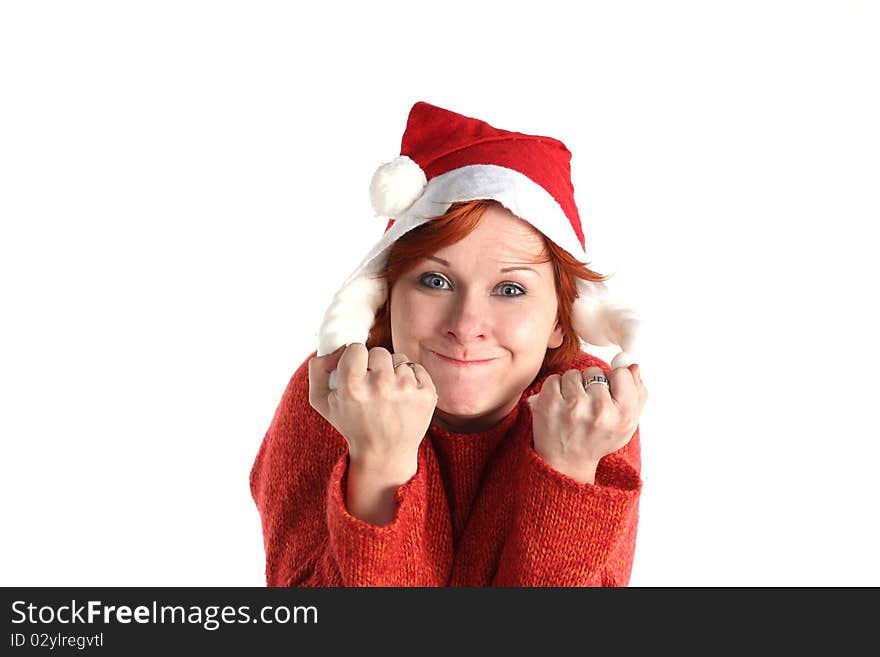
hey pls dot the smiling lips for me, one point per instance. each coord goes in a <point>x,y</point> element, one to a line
<point>462,363</point>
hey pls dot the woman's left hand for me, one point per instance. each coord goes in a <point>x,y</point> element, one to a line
<point>574,427</point>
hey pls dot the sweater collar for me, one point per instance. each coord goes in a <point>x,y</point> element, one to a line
<point>506,423</point>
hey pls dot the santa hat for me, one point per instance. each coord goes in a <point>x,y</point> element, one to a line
<point>445,158</point>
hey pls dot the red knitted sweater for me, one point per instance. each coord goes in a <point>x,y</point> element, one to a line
<point>483,509</point>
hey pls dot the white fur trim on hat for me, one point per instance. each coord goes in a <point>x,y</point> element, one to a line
<point>396,185</point>
<point>352,312</point>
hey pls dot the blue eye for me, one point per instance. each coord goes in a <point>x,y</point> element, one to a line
<point>433,281</point>
<point>437,281</point>
<point>511,286</point>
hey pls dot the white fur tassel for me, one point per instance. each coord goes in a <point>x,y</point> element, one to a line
<point>396,185</point>
<point>350,315</point>
<point>600,322</point>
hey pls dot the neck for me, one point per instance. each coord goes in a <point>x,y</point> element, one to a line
<point>472,423</point>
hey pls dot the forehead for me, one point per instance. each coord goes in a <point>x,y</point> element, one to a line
<point>500,236</point>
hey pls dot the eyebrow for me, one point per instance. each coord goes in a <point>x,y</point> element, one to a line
<point>506,269</point>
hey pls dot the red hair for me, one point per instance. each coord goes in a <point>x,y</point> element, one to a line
<point>454,225</point>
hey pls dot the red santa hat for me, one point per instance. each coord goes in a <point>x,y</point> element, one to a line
<point>445,158</point>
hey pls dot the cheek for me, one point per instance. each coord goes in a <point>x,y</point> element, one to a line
<point>411,314</point>
<point>526,325</point>
<point>523,333</point>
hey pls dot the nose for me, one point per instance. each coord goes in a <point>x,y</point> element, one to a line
<point>467,318</point>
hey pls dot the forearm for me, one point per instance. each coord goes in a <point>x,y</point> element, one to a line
<point>371,488</point>
<point>583,473</point>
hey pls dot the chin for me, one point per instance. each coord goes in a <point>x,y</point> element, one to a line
<point>464,407</point>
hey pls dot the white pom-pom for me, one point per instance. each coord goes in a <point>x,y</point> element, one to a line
<point>623,359</point>
<point>600,322</point>
<point>396,185</point>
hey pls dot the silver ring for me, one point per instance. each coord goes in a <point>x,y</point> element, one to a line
<point>404,362</point>
<point>596,379</point>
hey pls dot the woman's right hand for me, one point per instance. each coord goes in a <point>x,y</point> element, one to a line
<point>382,412</point>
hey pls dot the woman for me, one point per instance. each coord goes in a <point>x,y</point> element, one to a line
<point>455,434</point>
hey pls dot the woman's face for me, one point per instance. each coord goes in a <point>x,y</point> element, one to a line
<point>479,316</point>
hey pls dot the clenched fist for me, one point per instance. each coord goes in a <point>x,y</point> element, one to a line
<point>382,412</point>
<point>573,427</point>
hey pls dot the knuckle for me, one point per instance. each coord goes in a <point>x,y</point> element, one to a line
<point>540,396</point>
<point>573,405</point>
<point>382,385</point>
<point>547,394</point>
<point>407,384</point>
<point>581,412</point>
<point>619,373</point>
<point>574,377</point>
<point>353,390</point>
<point>628,419</point>
<point>604,413</point>
<point>551,384</point>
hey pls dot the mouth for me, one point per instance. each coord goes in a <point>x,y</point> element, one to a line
<point>462,363</point>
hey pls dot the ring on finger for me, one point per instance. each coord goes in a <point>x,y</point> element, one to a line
<point>596,379</point>
<point>404,362</point>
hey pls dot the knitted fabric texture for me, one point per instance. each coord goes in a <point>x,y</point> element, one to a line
<point>483,509</point>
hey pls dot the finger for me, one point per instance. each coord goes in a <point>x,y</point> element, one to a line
<point>324,366</point>
<point>637,376</point>
<point>329,361</point>
<point>597,391</point>
<point>552,386</point>
<point>352,365</point>
<point>424,379</point>
<point>319,386</point>
<point>624,391</point>
<point>379,363</point>
<point>572,385</point>
<point>403,373</point>
<point>640,385</point>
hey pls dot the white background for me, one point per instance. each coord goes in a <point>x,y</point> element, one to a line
<point>183,186</point>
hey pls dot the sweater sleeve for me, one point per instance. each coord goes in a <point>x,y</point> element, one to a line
<point>298,483</point>
<point>565,533</point>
